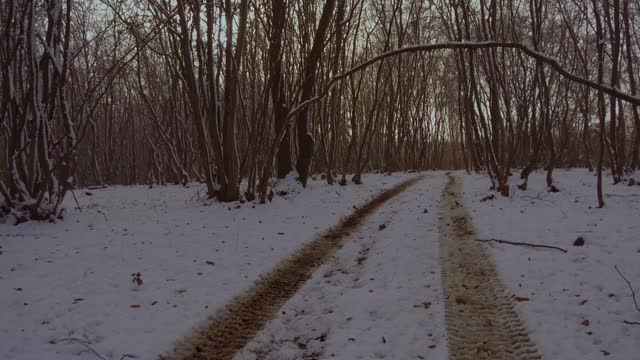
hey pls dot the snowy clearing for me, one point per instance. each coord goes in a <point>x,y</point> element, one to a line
<point>73,279</point>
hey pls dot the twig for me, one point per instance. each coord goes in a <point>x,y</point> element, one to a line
<point>124,356</point>
<point>537,197</point>
<point>198,193</point>
<point>76,199</point>
<point>631,322</point>
<point>103,214</point>
<point>633,293</point>
<point>523,244</point>
<point>83,344</point>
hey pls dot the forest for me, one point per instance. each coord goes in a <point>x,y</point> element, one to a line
<point>234,94</point>
<point>319,179</point>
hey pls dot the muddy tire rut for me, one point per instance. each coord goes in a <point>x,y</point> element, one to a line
<point>238,322</point>
<point>481,319</point>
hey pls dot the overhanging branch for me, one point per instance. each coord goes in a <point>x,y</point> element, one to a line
<point>551,61</point>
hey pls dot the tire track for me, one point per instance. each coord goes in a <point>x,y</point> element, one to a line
<point>481,319</point>
<point>238,322</point>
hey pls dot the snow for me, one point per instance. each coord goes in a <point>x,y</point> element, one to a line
<point>69,284</point>
<point>567,289</point>
<point>73,279</point>
<point>379,297</point>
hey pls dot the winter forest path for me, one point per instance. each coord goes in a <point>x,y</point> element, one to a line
<point>481,320</point>
<point>238,322</point>
<point>375,286</point>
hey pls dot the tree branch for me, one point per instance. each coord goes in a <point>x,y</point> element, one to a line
<point>76,340</point>
<point>633,293</point>
<point>523,244</point>
<point>471,45</point>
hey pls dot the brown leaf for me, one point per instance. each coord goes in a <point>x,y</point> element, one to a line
<point>135,306</point>
<point>460,300</point>
<point>585,322</point>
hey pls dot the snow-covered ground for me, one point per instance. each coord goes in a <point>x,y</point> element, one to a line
<point>578,301</point>
<point>380,297</point>
<point>70,281</point>
<point>67,285</point>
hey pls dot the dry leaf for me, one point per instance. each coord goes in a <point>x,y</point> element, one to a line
<point>585,323</point>
<point>460,300</point>
<point>135,306</point>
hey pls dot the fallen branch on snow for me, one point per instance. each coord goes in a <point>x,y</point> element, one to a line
<point>197,194</point>
<point>537,197</point>
<point>124,356</point>
<point>523,244</point>
<point>76,199</point>
<point>76,340</point>
<point>633,295</point>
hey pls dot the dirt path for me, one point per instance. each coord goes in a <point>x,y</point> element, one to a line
<point>232,328</point>
<point>481,320</point>
<point>379,296</point>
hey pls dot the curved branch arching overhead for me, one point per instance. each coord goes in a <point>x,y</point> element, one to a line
<point>472,46</point>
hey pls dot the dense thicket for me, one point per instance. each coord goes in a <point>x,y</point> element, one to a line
<point>234,93</point>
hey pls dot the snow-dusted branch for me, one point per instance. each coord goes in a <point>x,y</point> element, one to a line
<point>471,45</point>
